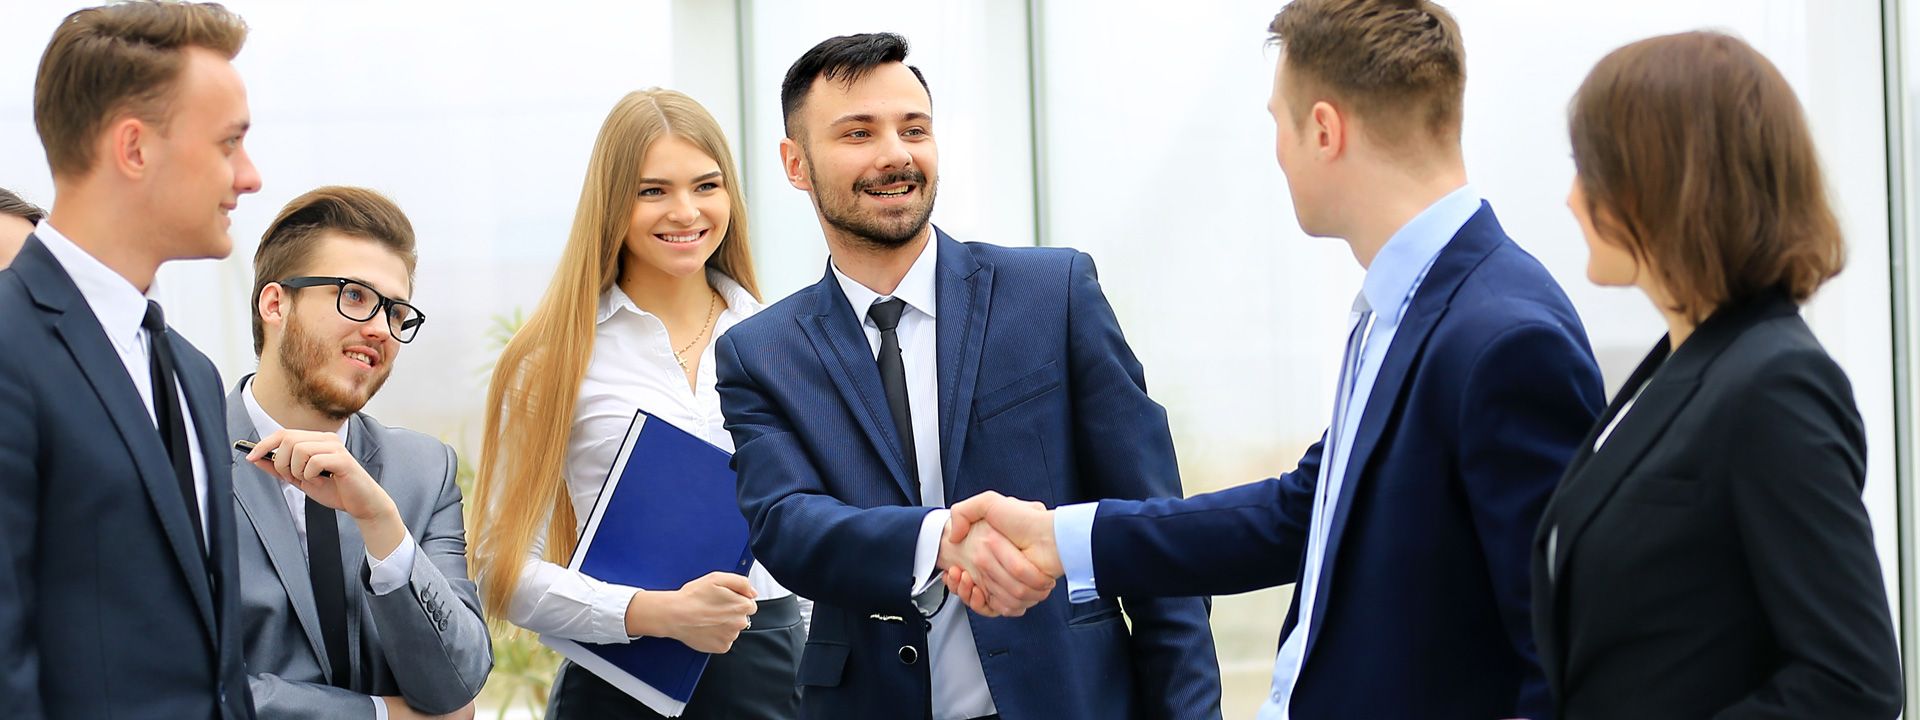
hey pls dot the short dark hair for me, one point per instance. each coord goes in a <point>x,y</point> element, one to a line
<point>1695,155</point>
<point>847,59</point>
<point>11,204</point>
<point>1400,64</point>
<point>291,239</point>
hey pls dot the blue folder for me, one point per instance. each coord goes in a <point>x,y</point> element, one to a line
<point>666,515</point>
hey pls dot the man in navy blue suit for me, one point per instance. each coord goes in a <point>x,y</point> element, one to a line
<point>1467,382</point>
<point>118,570</point>
<point>921,369</point>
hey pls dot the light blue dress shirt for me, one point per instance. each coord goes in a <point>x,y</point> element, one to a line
<point>1385,294</point>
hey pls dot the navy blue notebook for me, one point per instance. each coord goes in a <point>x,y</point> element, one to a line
<point>667,515</point>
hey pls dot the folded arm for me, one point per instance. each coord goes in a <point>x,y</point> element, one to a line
<point>431,629</point>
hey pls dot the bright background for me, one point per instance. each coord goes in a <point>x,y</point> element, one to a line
<point>1133,130</point>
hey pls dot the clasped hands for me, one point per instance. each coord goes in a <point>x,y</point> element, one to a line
<point>998,554</point>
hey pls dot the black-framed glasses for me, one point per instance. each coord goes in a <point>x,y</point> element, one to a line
<point>360,303</point>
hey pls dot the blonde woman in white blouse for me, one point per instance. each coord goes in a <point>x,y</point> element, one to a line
<point>656,266</point>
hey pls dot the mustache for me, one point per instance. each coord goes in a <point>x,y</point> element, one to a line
<point>908,175</point>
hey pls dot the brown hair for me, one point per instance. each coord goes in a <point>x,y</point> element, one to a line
<point>1399,64</point>
<point>292,238</point>
<point>520,489</point>
<point>115,60</point>
<point>11,204</point>
<point>1694,154</point>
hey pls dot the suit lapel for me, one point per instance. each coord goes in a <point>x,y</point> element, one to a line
<point>963,287</point>
<point>1468,247</point>
<point>260,499</point>
<point>80,331</point>
<point>848,359</point>
<point>1669,386</point>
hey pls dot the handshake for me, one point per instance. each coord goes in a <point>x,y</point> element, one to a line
<point>998,554</point>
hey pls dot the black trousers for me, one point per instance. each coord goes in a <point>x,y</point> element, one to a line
<point>753,681</point>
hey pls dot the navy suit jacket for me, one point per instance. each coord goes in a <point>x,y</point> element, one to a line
<point>1487,388</point>
<point>1040,398</point>
<point>108,607</point>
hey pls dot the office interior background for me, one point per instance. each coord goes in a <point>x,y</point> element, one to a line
<point>1133,130</point>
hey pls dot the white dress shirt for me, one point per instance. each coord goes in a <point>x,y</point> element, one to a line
<point>959,683</point>
<point>384,576</point>
<point>632,368</point>
<point>120,308</point>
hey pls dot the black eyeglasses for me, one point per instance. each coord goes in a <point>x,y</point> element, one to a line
<point>360,303</point>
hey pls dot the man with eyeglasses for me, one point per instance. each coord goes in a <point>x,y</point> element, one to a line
<point>355,598</point>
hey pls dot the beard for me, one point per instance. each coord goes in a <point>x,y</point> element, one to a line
<point>887,229</point>
<point>304,358</point>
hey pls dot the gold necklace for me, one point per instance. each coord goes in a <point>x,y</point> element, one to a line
<point>713,311</point>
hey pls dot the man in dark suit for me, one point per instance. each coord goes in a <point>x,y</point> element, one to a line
<point>356,599</point>
<point>116,512</point>
<point>920,369</point>
<point>1466,383</point>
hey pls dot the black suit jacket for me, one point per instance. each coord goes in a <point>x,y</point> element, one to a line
<point>1714,559</point>
<point>108,607</point>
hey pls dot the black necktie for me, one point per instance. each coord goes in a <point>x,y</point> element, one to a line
<point>167,415</point>
<point>893,376</point>
<point>329,587</point>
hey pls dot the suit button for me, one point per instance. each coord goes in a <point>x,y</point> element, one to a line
<point>909,654</point>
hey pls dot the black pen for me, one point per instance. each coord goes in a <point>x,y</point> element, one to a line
<point>246,447</point>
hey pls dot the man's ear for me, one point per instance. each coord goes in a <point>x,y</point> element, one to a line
<point>793,160</point>
<point>273,305</point>
<point>1330,130</point>
<point>125,146</point>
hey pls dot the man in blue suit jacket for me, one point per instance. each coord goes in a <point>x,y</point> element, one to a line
<point>118,579</point>
<point>921,368</point>
<point>1467,381</point>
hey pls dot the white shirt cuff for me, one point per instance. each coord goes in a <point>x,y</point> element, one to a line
<point>379,707</point>
<point>1073,538</point>
<point>391,574</point>
<point>927,551</point>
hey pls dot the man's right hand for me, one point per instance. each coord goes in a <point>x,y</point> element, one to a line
<point>707,613</point>
<point>1018,563</point>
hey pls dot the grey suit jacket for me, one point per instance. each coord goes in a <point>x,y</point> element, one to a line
<point>425,641</point>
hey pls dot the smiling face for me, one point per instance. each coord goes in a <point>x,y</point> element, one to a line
<point>867,156</point>
<point>680,214</point>
<point>197,163</point>
<point>335,365</point>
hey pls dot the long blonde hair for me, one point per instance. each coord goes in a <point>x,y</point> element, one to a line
<point>536,383</point>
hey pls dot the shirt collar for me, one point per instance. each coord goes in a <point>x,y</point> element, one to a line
<point>916,287</point>
<point>738,300</point>
<point>117,304</point>
<point>1397,269</point>
<point>264,424</point>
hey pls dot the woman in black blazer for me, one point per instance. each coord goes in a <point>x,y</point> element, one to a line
<point>1707,553</point>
